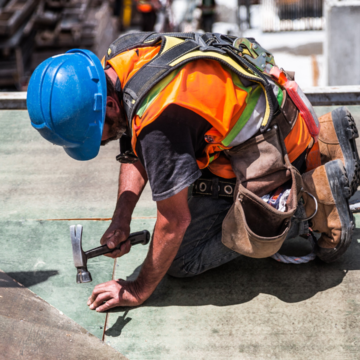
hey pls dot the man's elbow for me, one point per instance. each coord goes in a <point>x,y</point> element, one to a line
<point>175,223</point>
<point>173,214</point>
<point>183,222</point>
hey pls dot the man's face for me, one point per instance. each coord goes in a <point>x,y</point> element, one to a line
<point>115,123</point>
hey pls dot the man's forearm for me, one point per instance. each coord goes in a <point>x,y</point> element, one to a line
<point>173,218</point>
<point>170,228</point>
<point>162,251</point>
<point>132,180</point>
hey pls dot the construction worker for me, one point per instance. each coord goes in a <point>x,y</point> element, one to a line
<point>234,166</point>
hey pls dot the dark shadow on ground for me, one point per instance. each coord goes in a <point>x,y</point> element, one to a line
<point>244,278</point>
<point>118,327</point>
<point>30,278</point>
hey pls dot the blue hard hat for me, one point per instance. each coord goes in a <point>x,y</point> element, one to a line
<point>66,100</point>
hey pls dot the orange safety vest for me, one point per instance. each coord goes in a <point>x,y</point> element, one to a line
<point>208,89</point>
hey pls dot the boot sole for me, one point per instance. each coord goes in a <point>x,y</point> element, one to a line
<point>347,132</point>
<point>339,185</point>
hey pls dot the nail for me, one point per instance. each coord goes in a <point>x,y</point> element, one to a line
<point>92,306</point>
<point>88,302</point>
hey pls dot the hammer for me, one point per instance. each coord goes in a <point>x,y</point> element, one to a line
<point>81,257</point>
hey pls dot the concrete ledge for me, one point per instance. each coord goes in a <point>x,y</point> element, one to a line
<point>32,329</point>
<point>318,96</point>
<point>333,95</point>
<point>13,100</point>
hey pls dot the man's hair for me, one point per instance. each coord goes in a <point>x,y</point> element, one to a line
<point>110,88</point>
<point>110,92</point>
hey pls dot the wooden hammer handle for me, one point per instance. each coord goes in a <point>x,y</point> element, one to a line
<point>140,237</point>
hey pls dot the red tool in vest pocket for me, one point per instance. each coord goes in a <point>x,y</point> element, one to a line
<point>300,100</point>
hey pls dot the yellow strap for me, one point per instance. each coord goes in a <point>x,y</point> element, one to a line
<point>171,42</point>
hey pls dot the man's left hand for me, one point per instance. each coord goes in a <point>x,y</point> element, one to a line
<point>115,293</point>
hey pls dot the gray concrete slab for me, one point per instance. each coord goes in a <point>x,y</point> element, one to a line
<point>32,329</point>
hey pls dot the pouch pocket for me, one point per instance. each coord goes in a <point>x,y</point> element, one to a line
<point>252,227</point>
<point>239,237</point>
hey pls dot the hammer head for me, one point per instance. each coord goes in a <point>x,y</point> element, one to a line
<point>80,260</point>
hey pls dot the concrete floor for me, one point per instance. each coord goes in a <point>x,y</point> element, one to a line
<point>247,309</point>
<point>30,328</point>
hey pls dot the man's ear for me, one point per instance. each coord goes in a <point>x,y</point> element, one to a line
<point>112,108</point>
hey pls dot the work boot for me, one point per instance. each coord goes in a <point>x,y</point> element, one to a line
<point>337,141</point>
<point>329,184</point>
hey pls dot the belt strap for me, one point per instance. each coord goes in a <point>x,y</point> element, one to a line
<point>212,187</point>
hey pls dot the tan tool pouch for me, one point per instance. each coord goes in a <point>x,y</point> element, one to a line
<point>252,227</point>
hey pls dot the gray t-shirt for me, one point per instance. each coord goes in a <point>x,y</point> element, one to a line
<point>168,148</point>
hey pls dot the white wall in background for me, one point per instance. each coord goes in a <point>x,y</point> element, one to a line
<point>342,45</point>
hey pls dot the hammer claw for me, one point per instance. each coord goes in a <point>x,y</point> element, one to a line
<point>81,257</point>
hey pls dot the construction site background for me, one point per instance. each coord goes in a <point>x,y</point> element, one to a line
<point>33,30</point>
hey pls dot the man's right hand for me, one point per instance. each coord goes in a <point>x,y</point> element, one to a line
<point>117,234</point>
<point>132,180</point>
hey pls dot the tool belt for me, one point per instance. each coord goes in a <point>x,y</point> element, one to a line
<point>252,227</point>
<point>212,187</point>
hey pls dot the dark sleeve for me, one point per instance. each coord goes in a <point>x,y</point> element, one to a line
<point>167,148</point>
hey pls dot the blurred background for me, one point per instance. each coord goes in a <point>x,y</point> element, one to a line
<point>300,33</point>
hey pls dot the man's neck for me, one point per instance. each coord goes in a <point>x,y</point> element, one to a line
<point>111,73</point>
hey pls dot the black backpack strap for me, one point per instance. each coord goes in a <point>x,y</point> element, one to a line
<point>130,41</point>
<point>184,36</point>
<point>140,39</point>
<point>151,74</point>
<point>158,68</point>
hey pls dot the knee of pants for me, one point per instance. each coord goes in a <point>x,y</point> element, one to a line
<point>176,270</point>
<point>177,273</point>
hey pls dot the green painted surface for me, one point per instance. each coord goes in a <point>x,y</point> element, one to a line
<point>243,310</point>
<point>38,255</point>
<point>246,309</point>
<point>39,181</point>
